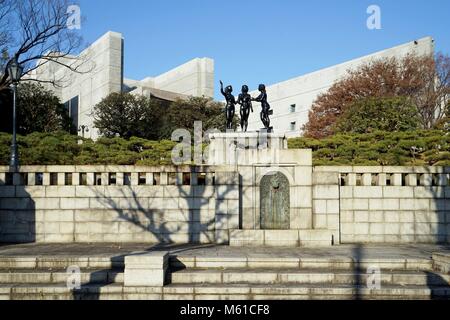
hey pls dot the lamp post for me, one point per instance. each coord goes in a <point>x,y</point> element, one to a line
<point>83,129</point>
<point>15,73</point>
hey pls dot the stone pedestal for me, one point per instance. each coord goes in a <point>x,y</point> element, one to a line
<point>233,147</point>
<point>267,169</point>
<point>277,196</point>
<point>441,262</point>
<point>146,269</point>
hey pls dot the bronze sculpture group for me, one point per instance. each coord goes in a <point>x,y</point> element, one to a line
<point>245,101</point>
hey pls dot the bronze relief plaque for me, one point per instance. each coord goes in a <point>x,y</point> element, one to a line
<point>275,202</point>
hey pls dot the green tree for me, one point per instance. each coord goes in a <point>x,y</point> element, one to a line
<point>38,110</point>
<point>127,115</point>
<point>182,114</point>
<point>385,114</point>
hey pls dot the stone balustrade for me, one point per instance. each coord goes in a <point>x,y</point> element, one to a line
<point>117,204</point>
<point>393,204</point>
<point>204,204</point>
<point>391,176</point>
<point>106,176</point>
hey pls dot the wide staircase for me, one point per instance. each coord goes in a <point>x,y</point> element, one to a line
<point>228,277</point>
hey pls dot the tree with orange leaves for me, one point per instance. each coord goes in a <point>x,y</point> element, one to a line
<point>423,81</point>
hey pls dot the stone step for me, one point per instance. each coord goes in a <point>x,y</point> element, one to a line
<point>33,262</point>
<point>232,276</point>
<point>219,292</point>
<point>295,276</point>
<point>291,262</point>
<point>26,276</point>
<point>219,262</point>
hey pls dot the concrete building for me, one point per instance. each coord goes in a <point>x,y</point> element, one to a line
<point>291,100</point>
<point>101,72</point>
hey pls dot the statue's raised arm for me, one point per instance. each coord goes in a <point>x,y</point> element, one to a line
<point>231,104</point>
<point>221,89</point>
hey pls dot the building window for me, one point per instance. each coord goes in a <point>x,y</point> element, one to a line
<point>293,108</point>
<point>72,107</point>
<point>293,126</point>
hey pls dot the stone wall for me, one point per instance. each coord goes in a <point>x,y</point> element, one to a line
<point>216,204</point>
<point>326,204</point>
<point>116,204</point>
<point>392,204</point>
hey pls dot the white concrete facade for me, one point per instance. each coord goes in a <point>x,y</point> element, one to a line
<point>101,73</point>
<point>194,78</point>
<point>291,100</point>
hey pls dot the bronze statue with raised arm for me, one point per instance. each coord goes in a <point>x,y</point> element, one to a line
<point>245,100</point>
<point>230,108</point>
<point>265,112</point>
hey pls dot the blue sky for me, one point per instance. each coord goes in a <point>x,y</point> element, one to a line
<point>264,41</point>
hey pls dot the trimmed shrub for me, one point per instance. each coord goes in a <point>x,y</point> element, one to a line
<point>412,148</point>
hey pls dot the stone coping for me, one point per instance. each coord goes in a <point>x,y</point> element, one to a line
<point>382,169</point>
<point>145,259</point>
<point>441,262</point>
<point>253,134</point>
<point>117,252</point>
<point>213,168</point>
<point>110,168</point>
<point>442,256</point>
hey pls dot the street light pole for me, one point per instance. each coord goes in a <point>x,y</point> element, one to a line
<point>83,129</point>
<point>15,71</point>
<point>14,154</point>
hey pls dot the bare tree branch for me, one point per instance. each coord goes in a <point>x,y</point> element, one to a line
<point>41,33</point>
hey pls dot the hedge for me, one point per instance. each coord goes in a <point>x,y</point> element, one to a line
<point>65,149</point>
<point>412,148</point>
<point>379,148</point>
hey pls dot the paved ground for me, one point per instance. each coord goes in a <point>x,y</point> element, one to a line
<point>111,250</point>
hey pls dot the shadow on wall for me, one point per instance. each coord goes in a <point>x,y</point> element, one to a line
<point>440,203</point>
<point>357,270</point>
<point>417,206</point>
<point>441,206</point>
<point>186,214</point>
<point>18,210</point>
<point>181,212</point>
<point>153,221</point>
